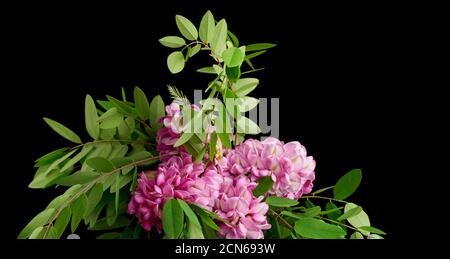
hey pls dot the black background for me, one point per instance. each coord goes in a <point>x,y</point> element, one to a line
<point>337,70</point>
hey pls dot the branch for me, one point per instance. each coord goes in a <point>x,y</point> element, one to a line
<point>91,184</point>
<point>108,141</point>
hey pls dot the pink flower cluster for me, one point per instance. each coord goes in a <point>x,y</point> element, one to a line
<point>224,186</point>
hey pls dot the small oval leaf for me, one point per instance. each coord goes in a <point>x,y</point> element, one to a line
<point>175,62</point>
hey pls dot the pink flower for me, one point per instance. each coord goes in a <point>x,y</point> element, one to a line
<point>288,164</point>
<point>167,136</point>
<point>245,214</point>
<point>173,179</point>
<point>206,188</point>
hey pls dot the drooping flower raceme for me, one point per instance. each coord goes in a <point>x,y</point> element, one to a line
<point>173,179</point>
<point>288,165</point>
<point>244,214</point>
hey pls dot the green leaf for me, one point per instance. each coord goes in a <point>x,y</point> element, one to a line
<point>316,229</point>
<point>374,236</point>
<point>204,216</point>
<point>63,130</point>
<point>100,164</point>
<point>51,233</point>
<point>212,145</point>
<point>62,221</point>
<point>247,103</point>
<point>50,157</point>
<point>233,57</point>
<point>372,230</point>
<point>264,185</point>
<point>141,104</point>
<point>207,27</point>
<point>109,235</point>
<point>218,43</point>
<point>359,220</point>
<point>245,85</point>
<point>156,112</point>
<point>136,232</point>
<point>38,233</point>
<point>110,119</point>
<point>172,41</point>
<point>334,215</point>
<point>117,187</point>
<point>186,27</point>
<point>291,214</point>
<point>90,114</point>
<point>225,139</point>
<point>234,39</point>
<point>233,73</point>
<point>255,54</point>
<point>310,212</point>
<point>206,70</point>
<point>189,213</point>
<point>123,107</point>
<point>80,177</point>
<point>102,224</point>
<point>55,164</point>
<point>280,201</point>
<point>38,221</point>
<point>172,219</point>
<point>356,235</point>
<point>259,46</point>
<point>93,198</point>
<point>108,134</point>
<point>194,50</point>
<point>78,209</point>
<point>194,231</point>
<point>138,156</point>
<point>58,201</point>
<point>331,211</point>
<point>183,139</point>
<point>309,204</point>
<point>105,104</point>
<point>77,157</point>
<point>118,151</point>
<point>245,125</point>
<point>45,180</point>
<point>347,184</point>
<point>201,155</point>
<point>175,62</point>
<point>322,190</point>
<point>350,213</point>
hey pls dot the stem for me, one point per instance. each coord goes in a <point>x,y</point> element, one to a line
<point>143,122</point>
<point>342,224</point>
<point>108,141</point>
<point>281,218</point>
<point>91,184</point>
<point>324,198</point>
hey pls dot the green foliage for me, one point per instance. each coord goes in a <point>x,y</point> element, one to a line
<point>264,185</point>
<point>186,27</point>
<point>317,229</point>
<point>207,27</point>
<point>63,130</point>
<point>175,62</point>
<point>347,184</point>
<point>172,41</point>
<point>141,104</point>
<point>172,219</point>
<point>91,118</point>
<point>275,201</point>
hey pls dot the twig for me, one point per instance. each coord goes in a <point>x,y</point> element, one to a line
<point>91,184</point>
